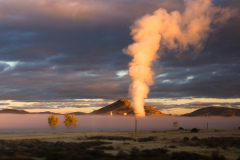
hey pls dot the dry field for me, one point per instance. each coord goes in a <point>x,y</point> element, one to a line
<point>221,144</point>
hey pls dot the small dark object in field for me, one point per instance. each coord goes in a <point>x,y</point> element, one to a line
<point>118,148</point>
<point>122,155</point>
<point>214,142</point>
<point>181,128</point>
<point>187,156</point>
<point>147,139</point>
<point>216,156</point>
<point>118,138</point>
<point>126,143</point>
<point>238,127</point>
<point>104,148</point>
<point>224,147</point>
<point>195,130</point>
<point>195,138</point>
<point>172,147</point>
<point>185,139</point>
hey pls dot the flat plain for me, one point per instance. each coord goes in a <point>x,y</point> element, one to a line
<point>216,144</point>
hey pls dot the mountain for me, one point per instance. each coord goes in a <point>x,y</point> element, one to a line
<point>78,113</point>
<point>15,111</point>
<point>123,106</point>
<point>214,111</point>
<point>46,112</point>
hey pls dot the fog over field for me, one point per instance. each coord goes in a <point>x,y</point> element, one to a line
<point>34,123</point>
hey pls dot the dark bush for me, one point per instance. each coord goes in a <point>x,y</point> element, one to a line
<point>195,138</point>
<point>159,154</point>
<point>164,138</point>
<point>147,139</point>
<point>119,138</point>
<point>122,155</point>
<point>172,146</point>
<point>216,156</point>
<point>194,130</point>
<point>188,156</point>
<point>185,139</point>
<point>213,142</point>
<point>126,143</point>
<point>222,142</point>
<point>104,148</point>
<point>180,128</point>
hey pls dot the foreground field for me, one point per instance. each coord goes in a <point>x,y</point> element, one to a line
<point>179,144</point>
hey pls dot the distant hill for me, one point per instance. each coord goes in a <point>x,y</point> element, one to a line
<point>123,106</point>
<point>14,111</point>
<point>46,112</point>
<point>214,111</point>
<point>78,113</point>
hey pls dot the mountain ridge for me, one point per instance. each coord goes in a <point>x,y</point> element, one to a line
<point>122,107</point>
<point>15,111</point>
<point>214,111</point>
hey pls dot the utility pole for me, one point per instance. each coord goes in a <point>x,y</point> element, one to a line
<point>207,121</point>
<point>136,124</point>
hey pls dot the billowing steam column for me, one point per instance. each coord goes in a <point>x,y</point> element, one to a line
<point>173,31</point>
<point>144,52</point>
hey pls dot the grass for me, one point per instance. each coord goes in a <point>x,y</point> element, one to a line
<point>91,150</point>
<point>147,139</point>
<point>168,145</point>
<point>121,138</point>
<point>213,142</point>
<point>118,138</point>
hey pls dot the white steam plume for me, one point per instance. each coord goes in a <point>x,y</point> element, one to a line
<point>173,31</point>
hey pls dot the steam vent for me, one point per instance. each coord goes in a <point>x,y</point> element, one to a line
<point>122,107</point>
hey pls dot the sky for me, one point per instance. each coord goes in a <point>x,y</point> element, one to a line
<point>67,55</point>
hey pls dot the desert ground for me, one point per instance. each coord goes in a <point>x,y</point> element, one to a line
<point>216,144</point>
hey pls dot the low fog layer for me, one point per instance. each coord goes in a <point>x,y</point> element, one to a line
<point>12,123</point>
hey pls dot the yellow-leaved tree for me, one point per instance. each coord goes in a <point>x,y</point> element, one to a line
<point>53,121</point>
<point>70,121</point>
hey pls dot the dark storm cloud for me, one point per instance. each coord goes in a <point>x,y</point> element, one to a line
<point>3,66</point>
<point>81,103</point>
<point>215,72</point>
<point>53,50</point>
<point>193,105</point>
<point>31,107</point>
<point>3,104</point>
